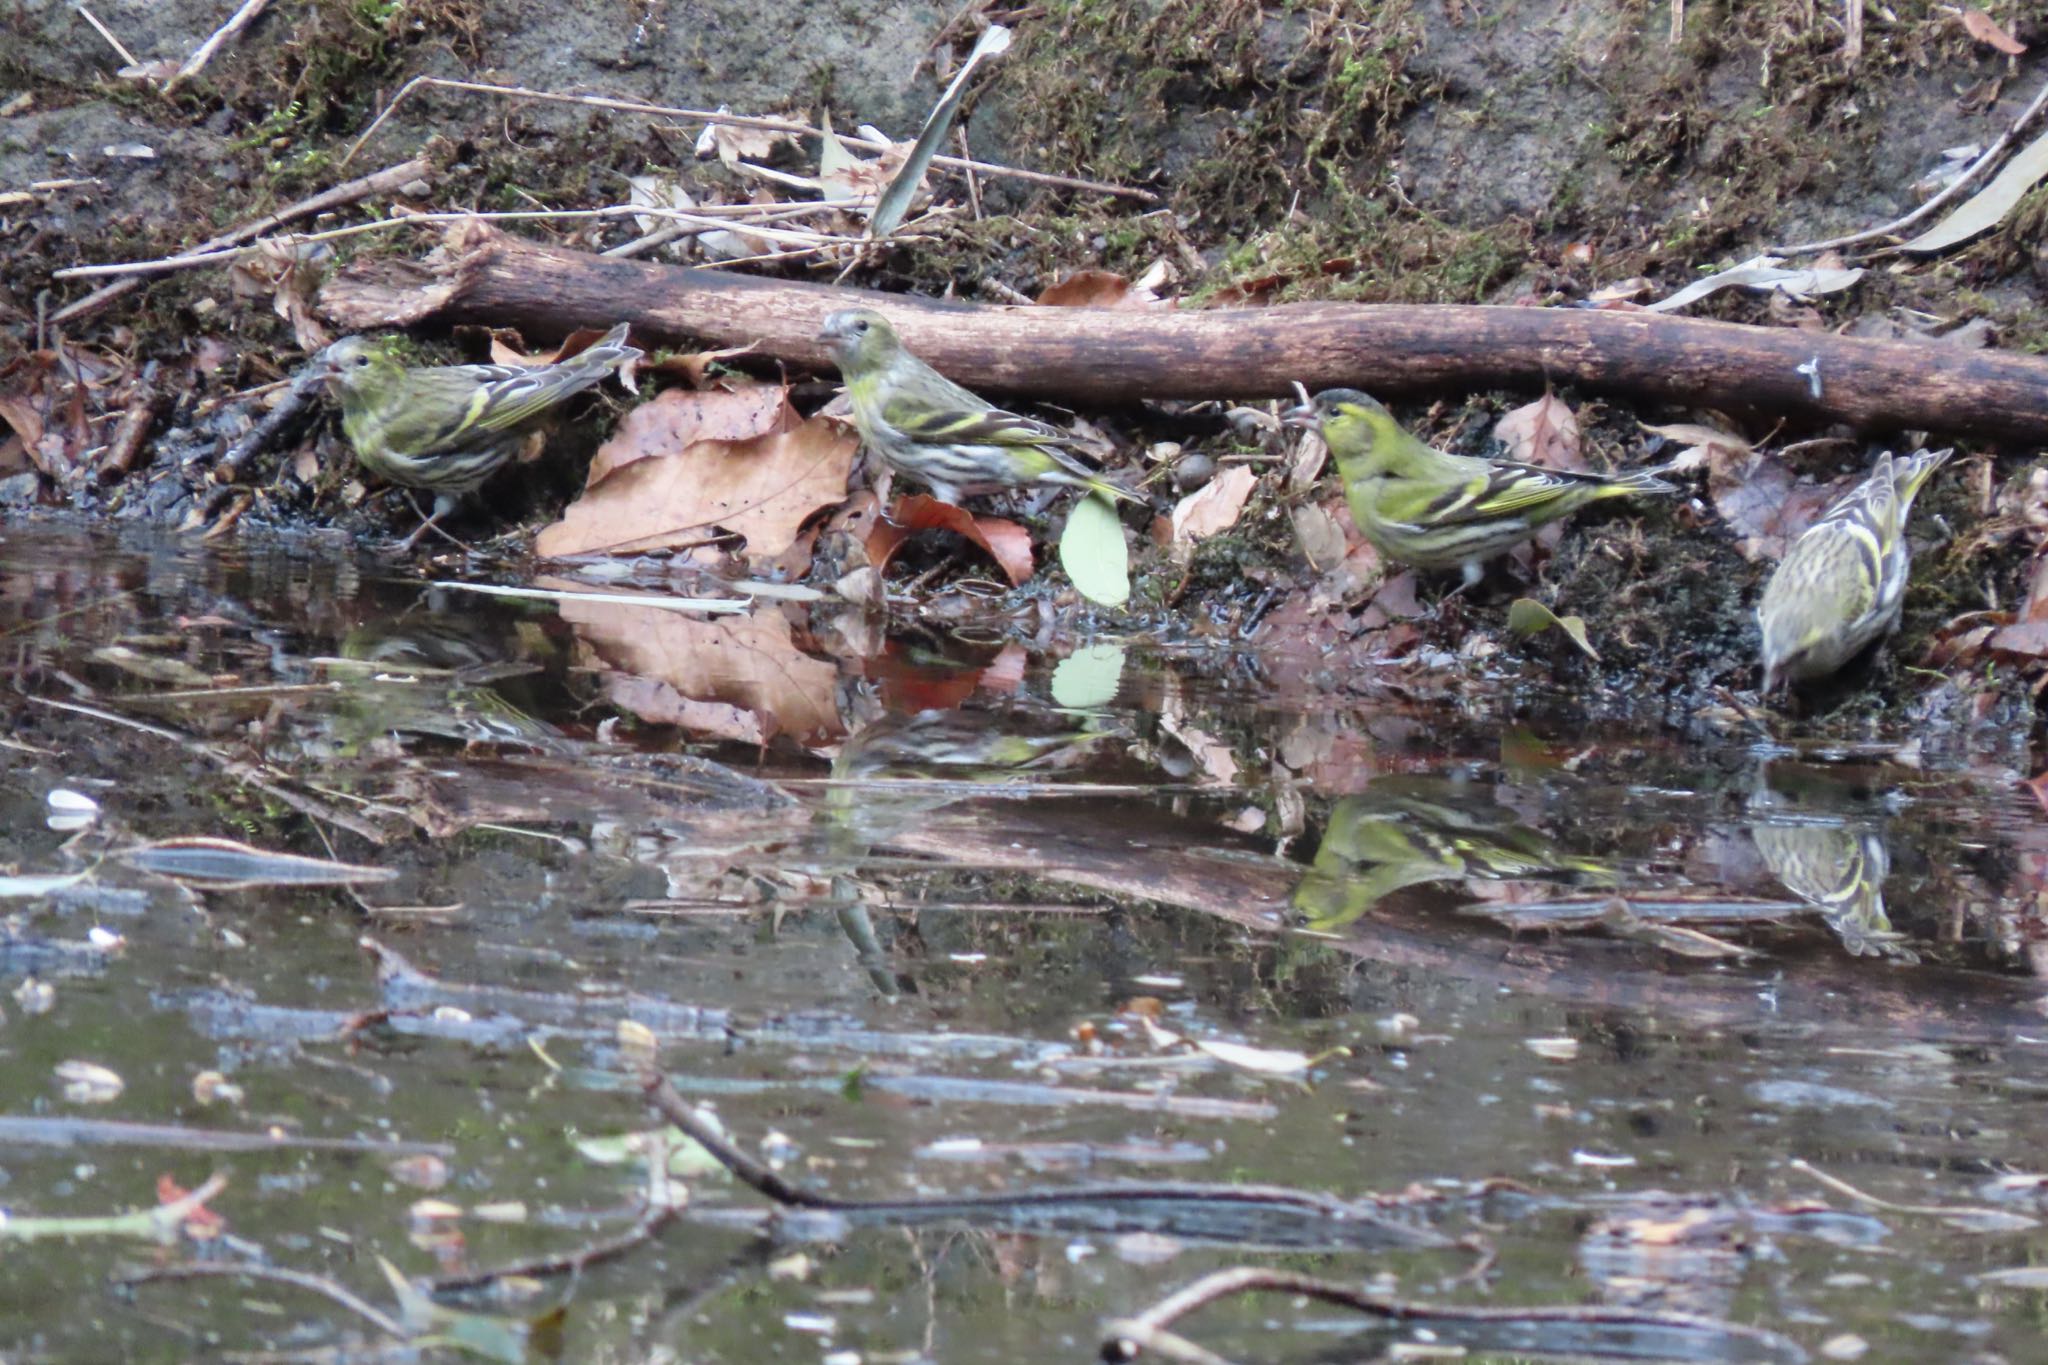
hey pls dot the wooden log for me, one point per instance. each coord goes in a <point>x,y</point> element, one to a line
<point>1093,355</point>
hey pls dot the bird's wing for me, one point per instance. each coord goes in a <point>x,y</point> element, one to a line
<point>501,396</point>
<point>945,424</point>
<point>1501,489</point>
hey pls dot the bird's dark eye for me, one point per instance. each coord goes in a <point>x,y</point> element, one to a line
<point>361,361</point>
<point>860,326</point>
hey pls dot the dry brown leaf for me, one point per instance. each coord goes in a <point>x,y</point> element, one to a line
<point>1705,447</point>
<point>1985,29</point>
<point>1542,433</point>
<point>1006,542</point>
<point>1768,508</point>
<point>1214,507</point>
<point>678,418</point>
<point>654,493</point>
<point>737,677</point>
<point>1088,289</point>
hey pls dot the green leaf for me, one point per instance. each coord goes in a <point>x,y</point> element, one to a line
<point>1088,678</point>
<point>1528,616</point>
<point>895,200</point>
<point>1093,553</point>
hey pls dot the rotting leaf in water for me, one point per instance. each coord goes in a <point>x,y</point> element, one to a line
<point>1006,542</point>
<point>1527,616</point>
<point>225,865</point>
<point>1093,552</point>
<point>662,481</point>
<point>1988,207</point>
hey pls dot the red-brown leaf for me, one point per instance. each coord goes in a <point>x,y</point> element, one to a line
<point>1006,542</point>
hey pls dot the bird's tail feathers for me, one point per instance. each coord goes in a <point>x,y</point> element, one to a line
<point>1639,481</point>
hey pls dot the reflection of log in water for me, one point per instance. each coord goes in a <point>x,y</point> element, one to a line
<point>1147,854</point>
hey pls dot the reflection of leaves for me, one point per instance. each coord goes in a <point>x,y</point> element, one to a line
<point>737,677</point>
<point>1089,677</point>
<point>1006,542</point>
<point>665,477</point>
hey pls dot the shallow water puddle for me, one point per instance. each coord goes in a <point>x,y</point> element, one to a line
<point>381,901</point>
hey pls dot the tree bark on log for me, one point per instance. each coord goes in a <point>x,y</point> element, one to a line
<point>1110,355</point>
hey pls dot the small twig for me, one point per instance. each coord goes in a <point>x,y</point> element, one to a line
<point>126,56</point>
<point>316,1284</point>
<point>242,18</point>
<point>259,437</point>
<point>379,182</point>
<point>1852,24</point>
<point>1844,1188</point>
<point>773,125</point>
<point>1954,187</point>
<point>128,439</point>
<point>700,220</point>
<point>1123,1337</point>
<point>973,184</point>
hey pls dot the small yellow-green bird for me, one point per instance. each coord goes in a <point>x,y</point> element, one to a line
<point>924,425</point>
<point>450,427</point>
<point>1433,510</point>
<point>1843,582</point>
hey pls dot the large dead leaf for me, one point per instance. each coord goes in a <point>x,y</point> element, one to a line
<point>1767,507</point>
<point>1544,433</point>
<point>679,418</point>
<point>732,677</point>
<point>1213,508</point>
<point>660,482</point>
<point>1006,542</point>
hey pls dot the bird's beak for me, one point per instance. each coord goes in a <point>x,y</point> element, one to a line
<point>830,332</point>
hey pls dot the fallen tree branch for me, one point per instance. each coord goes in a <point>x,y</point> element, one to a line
<point>1118,355</point>
<point>1489,1328</point>
<point>379,182</point>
